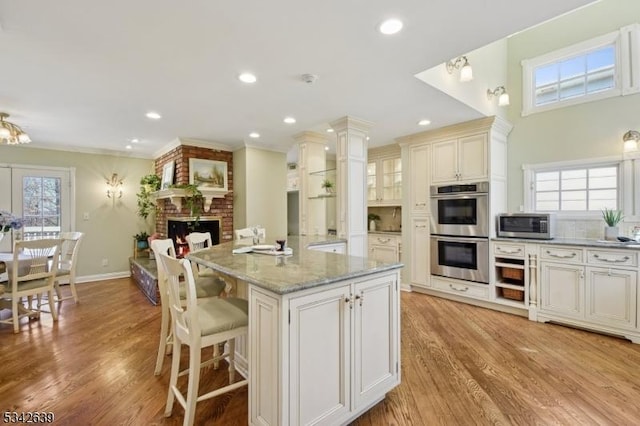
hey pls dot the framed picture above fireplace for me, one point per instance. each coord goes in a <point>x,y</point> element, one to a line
<point>208,174</point>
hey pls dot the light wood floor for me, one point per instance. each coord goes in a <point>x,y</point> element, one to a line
<point>460,365</point>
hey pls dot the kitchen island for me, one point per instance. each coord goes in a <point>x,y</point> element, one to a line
<point>324,331</point>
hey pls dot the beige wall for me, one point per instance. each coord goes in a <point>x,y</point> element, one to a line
<point>588,130</point>
<point>111,224</point>
<point>260,178</point>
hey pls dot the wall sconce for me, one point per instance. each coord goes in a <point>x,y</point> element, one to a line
<point>461,63</point>
<point>114,187</point>
<point>631,139</point>
<point>501,93</point>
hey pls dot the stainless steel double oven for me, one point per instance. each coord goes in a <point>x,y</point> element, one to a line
<point>460,231</point>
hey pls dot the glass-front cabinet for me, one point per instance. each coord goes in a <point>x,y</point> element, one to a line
<point>384,181</point>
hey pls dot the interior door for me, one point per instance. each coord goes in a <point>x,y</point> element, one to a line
<point>42,198</point>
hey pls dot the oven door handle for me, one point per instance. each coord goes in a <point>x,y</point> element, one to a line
<point>460,239</point>
<point>465,196</point>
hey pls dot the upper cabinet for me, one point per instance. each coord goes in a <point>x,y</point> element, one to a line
<point>460,159</point>
<point>384,176</point>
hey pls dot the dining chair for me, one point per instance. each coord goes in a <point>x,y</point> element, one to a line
<point>199,324</point>
<point>32,273</point>
<point>248,233</point>
<point>67,267</point>
<point>205,287</point>
<point>200,241</point>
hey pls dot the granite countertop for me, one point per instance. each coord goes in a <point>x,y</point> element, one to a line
<point>286,274</point>
<point>575,242</point>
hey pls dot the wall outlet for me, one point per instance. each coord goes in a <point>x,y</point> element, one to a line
<point>85,216</point>
<point>105,262</point>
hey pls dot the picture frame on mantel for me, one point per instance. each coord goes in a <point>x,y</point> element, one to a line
<point>208,174</point>
<point>167,175</point>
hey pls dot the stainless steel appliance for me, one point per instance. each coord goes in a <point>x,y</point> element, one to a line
<point>461,209</point>
<point>460,231</point>
<point>462,258</point>
<point>540,226</point>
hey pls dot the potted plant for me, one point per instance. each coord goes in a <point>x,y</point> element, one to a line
<point>193,200</point>
<point>611,218</point>
<point>148,185</point>
<point>142,240</point>
<point>327,185</point>
<point>372,217</point>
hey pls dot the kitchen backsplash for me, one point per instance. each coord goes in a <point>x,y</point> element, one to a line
<point>589,228</point>
<point>390,218</point>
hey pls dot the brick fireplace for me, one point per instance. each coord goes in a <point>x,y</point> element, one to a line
<point>221,208</point>
<point>179,227</point>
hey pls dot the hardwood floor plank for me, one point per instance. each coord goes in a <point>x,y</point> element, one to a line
<point>461,365</point>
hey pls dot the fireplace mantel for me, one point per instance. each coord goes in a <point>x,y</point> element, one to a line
<point>176,195</point>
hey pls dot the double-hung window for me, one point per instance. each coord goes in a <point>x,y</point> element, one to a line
<point>599,68</point>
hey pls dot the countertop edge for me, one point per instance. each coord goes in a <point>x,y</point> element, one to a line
<point>573,242</point>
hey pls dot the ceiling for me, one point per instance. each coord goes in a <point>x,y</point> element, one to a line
<point>81,75</point>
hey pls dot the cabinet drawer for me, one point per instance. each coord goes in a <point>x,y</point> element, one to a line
<point>508,249</point>
<point>467,289</point>
<point>383,240</point>
<point>612,258</point>
<point>562,254</point>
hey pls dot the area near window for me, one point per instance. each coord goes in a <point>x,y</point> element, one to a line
<point>574,187</point>
<point>595,69</point>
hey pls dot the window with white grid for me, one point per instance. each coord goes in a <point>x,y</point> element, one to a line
<point>580,189</point>
<point>595,69</point>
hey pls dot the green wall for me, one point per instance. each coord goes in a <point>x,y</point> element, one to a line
<point>112,223</point>
<point>589,130</point>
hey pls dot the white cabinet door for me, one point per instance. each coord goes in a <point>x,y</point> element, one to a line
<point>375,338</point>
<point>444,164</point>
<point>611,297</point>
<point>473,157</point>
<point>320,357</point>
<point>420,269</point>
<point>383,253</point>
<point>420,179</point>
<point>561,289</point>
<point>384,181</point>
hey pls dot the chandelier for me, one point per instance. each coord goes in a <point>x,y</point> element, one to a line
<point>10,133</point>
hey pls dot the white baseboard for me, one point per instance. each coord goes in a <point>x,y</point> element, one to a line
<point>100,277</point>
<point>405,287</point>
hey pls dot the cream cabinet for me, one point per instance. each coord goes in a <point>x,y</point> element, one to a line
<point>384,247</point>
<point>461,159</point>
<point>343,350</point>
<point>592,288</point>
<point>384,181</point>
<point>419,184</point>
<point>420,260</point>
<point>339,247</point>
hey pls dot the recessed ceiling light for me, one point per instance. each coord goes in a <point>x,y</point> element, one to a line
<point>129,147</point>
<point>247,77</point>
<point>135,140</point>
<point>254,135</point>
<point>390,26</point>
<point>289,120</point>
<point>326,148</point>
<point>329,130</point>
<point>424,122</point>
<point>153,115</point>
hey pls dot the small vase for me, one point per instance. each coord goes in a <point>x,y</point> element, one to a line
<point>372,225</point>
<point>611,233</point>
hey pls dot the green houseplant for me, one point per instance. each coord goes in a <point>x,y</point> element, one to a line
<point>193,200</point>
<point>611,218</point>
<point>146,204</point>
<point>327,185</point>
<point>372,217</point>
<point>142,240</point>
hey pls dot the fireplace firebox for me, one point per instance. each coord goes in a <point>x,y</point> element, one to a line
<point>179,227</point>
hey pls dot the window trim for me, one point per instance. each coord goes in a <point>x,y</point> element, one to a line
<point>626,42</point>
<point>529,171</point>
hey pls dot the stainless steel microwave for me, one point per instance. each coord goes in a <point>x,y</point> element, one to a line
<point>540,226</point>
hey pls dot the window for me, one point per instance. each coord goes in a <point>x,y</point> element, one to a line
<point>596,69</point>
<point>574,188</point>
<point>42,197</point>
